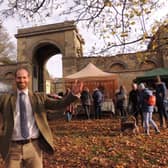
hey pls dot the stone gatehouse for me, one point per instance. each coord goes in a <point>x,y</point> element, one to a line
<point>37,44</point>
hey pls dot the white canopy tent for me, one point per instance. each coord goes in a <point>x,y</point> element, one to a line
<point>94,77</point>
<point>90,72</point>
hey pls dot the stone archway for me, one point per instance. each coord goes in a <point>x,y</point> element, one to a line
<point>37,44</point>
<point>41,54</point>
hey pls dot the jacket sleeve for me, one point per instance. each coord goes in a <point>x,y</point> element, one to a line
<point>3,98</point>
<point>53,104</point>
<point>164,91</point>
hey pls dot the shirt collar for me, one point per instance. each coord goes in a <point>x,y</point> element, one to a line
<point>25,91</point>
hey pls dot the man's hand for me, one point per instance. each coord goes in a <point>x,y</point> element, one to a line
<point>77,87</point>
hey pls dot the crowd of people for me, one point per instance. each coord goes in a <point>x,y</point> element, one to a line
<point>142,101</point>
<point>25,132</point>
<point>87,100</point>
<point>135,103</point>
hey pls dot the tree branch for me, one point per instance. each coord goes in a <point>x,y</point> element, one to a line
<point>122,44</point>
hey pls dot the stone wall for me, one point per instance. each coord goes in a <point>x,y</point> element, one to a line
<point>65,39</point>
<point>126,66</point>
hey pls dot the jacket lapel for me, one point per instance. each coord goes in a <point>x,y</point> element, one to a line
<point>13,101</point>
<point>14,98</point>
<point>32,101</point>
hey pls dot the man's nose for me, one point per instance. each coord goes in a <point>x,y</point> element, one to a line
<point>21,79</point>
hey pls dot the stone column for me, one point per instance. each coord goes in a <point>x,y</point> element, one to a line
<point>165,58</point>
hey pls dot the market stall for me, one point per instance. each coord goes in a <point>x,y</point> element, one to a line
<point>149,76</point>
<point>94,77</point>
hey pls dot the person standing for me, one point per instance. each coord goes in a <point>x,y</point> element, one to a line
<point>133,102</point>
<point>147,109</point>
<point>25,131</point>
<point>161,93</point>
<point>86,100</point>
<point>70,108</point>
<point>121,101</point>
<point>97,102</point>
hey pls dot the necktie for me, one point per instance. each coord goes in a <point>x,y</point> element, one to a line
<point>23,116</point>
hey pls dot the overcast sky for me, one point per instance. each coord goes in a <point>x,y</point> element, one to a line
<point>54,65</point>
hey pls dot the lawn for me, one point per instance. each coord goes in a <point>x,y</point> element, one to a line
<point>100,144</point>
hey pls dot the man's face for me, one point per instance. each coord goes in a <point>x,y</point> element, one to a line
<point>134,86</point>
<point>22,79</point>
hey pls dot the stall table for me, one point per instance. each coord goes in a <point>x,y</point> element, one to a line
<point>108,108</point>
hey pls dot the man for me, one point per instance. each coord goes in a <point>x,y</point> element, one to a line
<point>133,102</point>
<point>22,143</point>
<point>97,102</point>
<point>121,101</point>
<point>86,100</point>
<point>147,109</point>
<point>161,93</point>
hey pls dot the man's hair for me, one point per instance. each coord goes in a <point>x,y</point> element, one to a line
<point>22,68</point>
<point>142,86</point>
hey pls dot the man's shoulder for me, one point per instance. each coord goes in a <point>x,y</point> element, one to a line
<point>5,97</point>
<point>38,94</point>
<point>148,91</point>
<point>99,92</point>
<point>6,94</point>
<point>133,91</point>
<point>162,84</point>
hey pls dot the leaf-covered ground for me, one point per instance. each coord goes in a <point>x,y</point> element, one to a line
<point>99,144</point>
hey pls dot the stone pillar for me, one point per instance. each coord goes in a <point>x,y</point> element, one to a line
<point>165,58</point>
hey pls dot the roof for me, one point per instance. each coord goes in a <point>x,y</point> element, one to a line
<point>162,72</point>
<point>91,72</point>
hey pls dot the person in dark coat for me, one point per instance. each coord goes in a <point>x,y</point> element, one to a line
<point>133,102</point>
<point>86,100</point>
<point>70,108</point>
<point>121,101</point>
<point>97,102</point>
<point>161,93</point>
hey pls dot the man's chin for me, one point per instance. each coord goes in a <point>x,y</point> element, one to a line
<point>21,87</point>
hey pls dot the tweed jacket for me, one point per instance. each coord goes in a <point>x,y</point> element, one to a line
<point>40,103</point>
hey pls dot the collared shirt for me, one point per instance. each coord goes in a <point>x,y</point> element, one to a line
<point>33,130</point>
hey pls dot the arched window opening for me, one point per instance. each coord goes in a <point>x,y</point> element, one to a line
<point>54,66</point>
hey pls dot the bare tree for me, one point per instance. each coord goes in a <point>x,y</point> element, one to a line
<point>7,48</point>
<point>118,23</point>
<point>28,8</point>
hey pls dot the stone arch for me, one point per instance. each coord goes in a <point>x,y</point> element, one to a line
<point>37,44</point>
<point>9,75</point>
<point>149,64</point>
<point>41,53</point>
<point>118,66</point>
<point>40,43</point>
